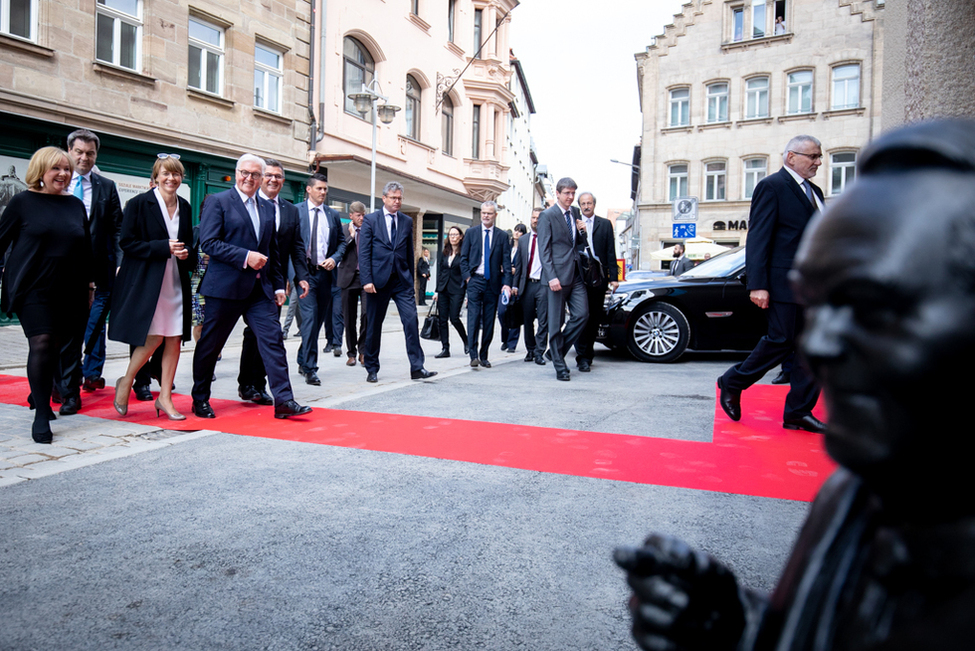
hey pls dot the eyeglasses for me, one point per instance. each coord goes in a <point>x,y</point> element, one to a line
<point>164,156</point>
<point>257,176</point>
<point>809,156</point>
<point>274,177</point>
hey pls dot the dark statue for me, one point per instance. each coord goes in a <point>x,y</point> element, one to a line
<point>886,558</point>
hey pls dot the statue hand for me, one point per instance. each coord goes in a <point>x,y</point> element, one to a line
<point>682,599</point>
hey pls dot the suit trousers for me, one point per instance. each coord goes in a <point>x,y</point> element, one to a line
<point>534,303</point>
<point>482,307</point>
<point>560,341</point>
<point>448,311</point>
<point>261,315</point>
<point>354,343</point>
<point>376,305</point>
<point>595,297</point>
<point>316,310</point>
<point>293,313</point>
<point>252,372</point>
<point>785,322</point>
<point>335,327</point>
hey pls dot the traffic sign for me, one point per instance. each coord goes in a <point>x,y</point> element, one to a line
<point>685,231</point>
<point>684,209</point>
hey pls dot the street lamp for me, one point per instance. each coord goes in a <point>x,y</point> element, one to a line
<point>365,101</point>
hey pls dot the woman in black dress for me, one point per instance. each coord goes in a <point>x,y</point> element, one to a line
<point>450,290</point>
<point>151,299</point>
<point>47,278</point>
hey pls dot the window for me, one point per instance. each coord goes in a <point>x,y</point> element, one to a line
<point>18,17</point>
<point>476,132</point>
<point>118,32</point>
<point>755,171</point>
<point>718,102</point>
<point>738,24</point>
<point>842,169</point>
<point>846,87</point>
<point>800,92</point>
<point>268,73</point>
<point>677,174</point>
<point>680,107</point>
<point>412,107</point>
<point>358,70</point>
<point>451,12</point>
<point>714,181</point>
<point>478,21</point>
<point>447,126</point>
<point>206,56</point>
<point>415,7</point>
<point>758,18</point>
<point>756,98</point>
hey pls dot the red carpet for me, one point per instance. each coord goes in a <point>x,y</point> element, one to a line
<point>752,457</point>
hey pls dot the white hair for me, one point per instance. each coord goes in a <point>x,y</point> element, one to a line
<point>800,140</point>
<point>251,158</point>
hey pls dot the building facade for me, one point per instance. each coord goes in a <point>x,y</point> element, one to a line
<point>515,204</point>
<point>724,89</point>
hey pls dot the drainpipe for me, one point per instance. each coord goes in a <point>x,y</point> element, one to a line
<point>313,127</point>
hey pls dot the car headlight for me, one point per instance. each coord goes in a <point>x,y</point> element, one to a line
<point>619,298</point>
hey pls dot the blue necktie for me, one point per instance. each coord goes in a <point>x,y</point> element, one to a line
<point>568,220</point>
<point>487,255</point>
<point>79,188</point>
<point>809,192</point>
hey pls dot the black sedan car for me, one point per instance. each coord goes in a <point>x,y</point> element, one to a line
<point>704,309</point>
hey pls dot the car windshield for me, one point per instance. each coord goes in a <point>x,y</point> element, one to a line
<point>720,266</point>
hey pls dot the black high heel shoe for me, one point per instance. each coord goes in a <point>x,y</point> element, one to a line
<point>41,432</point>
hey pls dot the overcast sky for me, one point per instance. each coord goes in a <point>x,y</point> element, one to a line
<point>578,59</point>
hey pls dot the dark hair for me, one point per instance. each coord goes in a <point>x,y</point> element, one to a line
<point>315,178</point>
<point>84,135</point>
<point>270,162</point>
<point>521,228</point>
<point>565,183</point>
<point>449,250</point>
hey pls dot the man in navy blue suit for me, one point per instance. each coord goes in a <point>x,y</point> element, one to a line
<point>487,277</point>
<point>386,271</point>
<point>322,233</point>
<point>782,205</point>
<point>245,278</point>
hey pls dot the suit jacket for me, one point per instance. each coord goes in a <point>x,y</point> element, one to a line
<point>423,268</point>
<point>471,253</point>
<point>336,234</point>
<point>557,245</point>
<point>348,272</point>
<point>604,246</point>
<point>104,222</point>
<point>778,217</point>
<point>379,258</point>
<point>680,265</point>
<point>450,278</point>
<point>145,243</point>
<point>521,261</point>
<point>290,242</point>
<point>227,235</point>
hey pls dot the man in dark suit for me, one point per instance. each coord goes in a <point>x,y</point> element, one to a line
<point>558,240</point>
<point>533,294</point>
<point>351,285</point>
<point>104,209</point>
<point>681,262</point>
<point>245,278</point>
<point>782,205</point>
<point>598,237</point>
<point>251,380</point>
<point>321,231</point>
<point>485,263</point>
<point>386,272</point>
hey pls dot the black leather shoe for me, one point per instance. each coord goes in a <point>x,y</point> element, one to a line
<point>504,348</point>
<point>443,353</point>
<point>93,384</point>
<point>421,374</point>
<point>473,363</point>
<point>484,363</point>
<point>784,377</point>
<point>202,409</point>
<point>730,400</point>
<point>70,406</point>
<point>583,366</point>
<point>290,408</point>
<point>142,392</point>
<point>539,360</point>
<point>372,377</point>
<point>246,392</point>
<point>337,351</point>
<point>255,395</point>
<point>808,422</point>
<point>327,348</point>
<point>562,375</point>
<point>312,378</point>
<point>530,357</point>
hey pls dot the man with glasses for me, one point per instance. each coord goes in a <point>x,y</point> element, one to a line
<point>782,206</point>
<point>245,278</point>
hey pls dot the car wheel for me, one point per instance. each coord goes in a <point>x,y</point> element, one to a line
<point>658,332</point>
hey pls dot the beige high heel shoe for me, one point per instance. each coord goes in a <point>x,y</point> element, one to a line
<point>173,415</point>
<point>122,409</point>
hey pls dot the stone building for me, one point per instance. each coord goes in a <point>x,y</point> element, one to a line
<point>515,204</point>
<point>724,89</point>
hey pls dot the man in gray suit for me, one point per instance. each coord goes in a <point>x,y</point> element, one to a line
<point>558,235</point>
<point>681,262</point>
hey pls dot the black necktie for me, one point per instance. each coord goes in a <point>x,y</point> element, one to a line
<point>392,229</point>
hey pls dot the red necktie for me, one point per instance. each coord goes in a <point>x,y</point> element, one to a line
<point>531,256</point>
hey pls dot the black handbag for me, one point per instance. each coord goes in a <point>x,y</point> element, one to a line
<point>431,324</point>
<point>592,269</point>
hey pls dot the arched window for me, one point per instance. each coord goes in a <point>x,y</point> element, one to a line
<point>358,70</point>
<point>447,126</point>
<point>412,107</point>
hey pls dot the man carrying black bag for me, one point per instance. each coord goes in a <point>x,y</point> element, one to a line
<point>599,251</point>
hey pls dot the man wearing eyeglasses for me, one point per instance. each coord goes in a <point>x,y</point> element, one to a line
<point>782,206</point>
<point>244,278</point>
